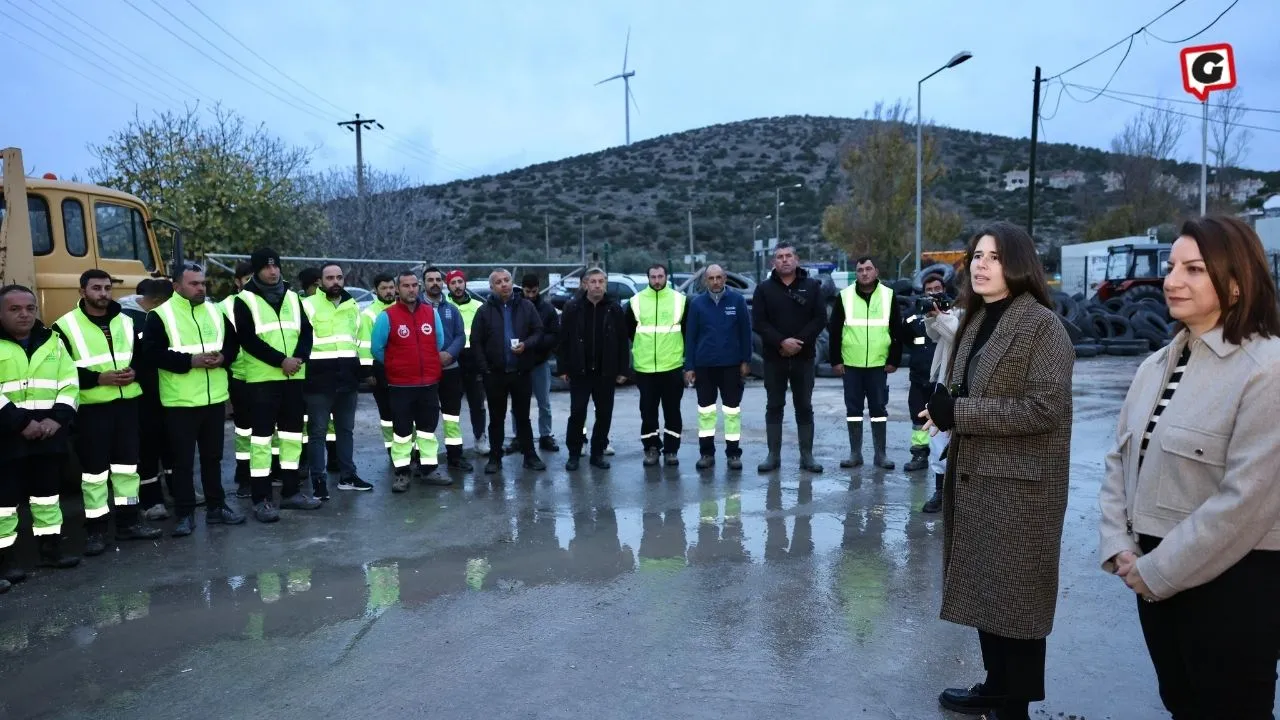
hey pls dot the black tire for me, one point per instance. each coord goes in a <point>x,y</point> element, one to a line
<point>1114,305</point>
<point>1073,331</point>
<point>1087,350</point>
<point>1120,327</point>
<point>1099,326</point>
<point>1143,292</point>
<point>1127,347</point>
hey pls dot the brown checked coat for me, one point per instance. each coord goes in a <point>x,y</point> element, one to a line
<point>1007,472</point>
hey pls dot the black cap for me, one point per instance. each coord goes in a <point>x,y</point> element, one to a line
<point>263,257</point>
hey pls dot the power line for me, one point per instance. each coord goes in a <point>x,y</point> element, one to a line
<point>233,59</point>
<point>264,60</point>
<point>59,61</point>
<point>1175,112</point>
<point>1196,34</point>
<point>1113,74</point>
<point>1117,43</point>
<point>1197,103</point>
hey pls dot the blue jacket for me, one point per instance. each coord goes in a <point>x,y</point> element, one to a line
<point>717,335</point>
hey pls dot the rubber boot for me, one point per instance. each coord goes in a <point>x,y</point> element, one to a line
<point>855,446</point>
<point>51,554</point>
<point>919,459</point>
<point>934,504</point>
<point>807,462</point>
<point>878,433</point>
<point>772,461</point>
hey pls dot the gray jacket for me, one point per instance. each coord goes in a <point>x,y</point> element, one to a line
<point>942,329</point>
<point>1210,482</point>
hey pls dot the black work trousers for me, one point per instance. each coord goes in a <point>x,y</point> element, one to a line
<point>382,398</point>
<point>726,384</point>
<point>1214,646</point>
<point>242,419</point>
<point>500,386</point>
<point>415,412</point>
<point>474,389</point>
<point>155,460</point>
<point>1015,669</point>
<point>189,429</point>
<point>866,387</point>
<point>778,375</point>
<point>277,408</point>
<point>107,448</point>
<point>451,393</point>
<point>599,391</point>
<point>664,389</point>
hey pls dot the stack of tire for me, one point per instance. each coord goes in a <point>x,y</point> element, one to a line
<point>1135,323</point>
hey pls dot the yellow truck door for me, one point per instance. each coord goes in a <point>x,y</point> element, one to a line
<point>121,242</point>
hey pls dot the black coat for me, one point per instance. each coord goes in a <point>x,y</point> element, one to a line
<point>798,310</point>
<point>550,330</point>
<point>571,357</point>
<point>489,342</point>
<point>13,419</point>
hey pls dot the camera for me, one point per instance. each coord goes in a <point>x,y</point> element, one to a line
<point>941,302</point>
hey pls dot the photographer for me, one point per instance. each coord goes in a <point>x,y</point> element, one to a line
<point>922,347</point>
<point>940,324</point>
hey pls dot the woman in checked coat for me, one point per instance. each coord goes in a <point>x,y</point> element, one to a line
<point>1007,403</point>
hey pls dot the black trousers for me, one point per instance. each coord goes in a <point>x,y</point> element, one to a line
<point>778,374</point>
<point>277,406</point>
<point>866,387</point>
<point>1015,668</point>
<point>155,460</point>
<point>498,387</point>
<point>36,476</point>
<point>727,384</point>
<point>473,387</point>
<point>189,429</point>
<point>1214,646</point>
<point>451,393</point>
<point>106,435</point>
<point>242,419</point>
<point>599,391</point>
<point>416,410</point>
<point>381,398</point>
<point>665,390</point>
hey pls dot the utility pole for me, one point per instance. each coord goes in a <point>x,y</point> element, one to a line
<point>357,126</point>
<point>546,234</point>
<point>691,260</point>
<point>1031,172</point>
<point>582,244</point>
<point>1204,159</point>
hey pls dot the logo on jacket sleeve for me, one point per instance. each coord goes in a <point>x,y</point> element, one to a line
<point>403,331</point>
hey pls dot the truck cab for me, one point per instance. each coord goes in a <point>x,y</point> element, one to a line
<point>69,228</point>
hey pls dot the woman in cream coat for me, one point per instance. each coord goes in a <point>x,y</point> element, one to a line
<point>1191,499</point>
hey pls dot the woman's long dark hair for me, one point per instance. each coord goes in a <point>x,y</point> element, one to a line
<point>1023,273</point>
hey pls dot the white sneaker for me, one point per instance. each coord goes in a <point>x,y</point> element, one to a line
<point>608,449</point>
<point>482,445</point>
<point>156,512</point>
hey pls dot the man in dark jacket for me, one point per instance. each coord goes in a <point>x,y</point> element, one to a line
<point>153,450</point>
<point>716,359</point>
<point>38,396</point>
<point>504,334</point>
<point>451,338</point>
<point>592,358</point>
<point>921,365</point>
<point>788,312</point>
<point>541,374</point>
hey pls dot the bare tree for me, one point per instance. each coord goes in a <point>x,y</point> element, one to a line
<point>400,222</point>
<point>1144,149</point>
<point>1228,143</point>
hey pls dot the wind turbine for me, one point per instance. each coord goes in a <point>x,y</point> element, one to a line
<point>627,98</point>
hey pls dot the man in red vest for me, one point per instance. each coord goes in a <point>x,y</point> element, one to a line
<point>404,341</point>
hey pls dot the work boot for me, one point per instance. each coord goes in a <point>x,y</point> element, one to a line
<point>855,445</point>
<point>547,443</point>
<point>598,461</point>
<point>298,501</point>
<point>265,512</point>
<point>138,531</point>
<point>533,462</point>
<point>706,462</point>
<point>185,526</point>
<point>572,463</point>
<point>670,460</point>
<point>934,504</point>
<point>772,461</point>
<point>650,457</point>
<point>9,572</point>
<point>919,459</point>
<point>493,467</point>
<point>95,543</point>
<point>157,512</point>
<point>808,462</point>
<point>435,477</point>
<point>455,460</point>
<point>222,515</point>
<point>735,462</point>
<point>51,554</point>
<point>878,433</point>
<point>244,490</point>
<point>400,483</point>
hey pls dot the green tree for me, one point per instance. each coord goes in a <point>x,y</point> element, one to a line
<point>231,187</point>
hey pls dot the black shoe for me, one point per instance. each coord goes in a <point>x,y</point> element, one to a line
<point>493,467</point>
<point>320,490</point>
<point>9,573</point>
<point>572,463</point>
<point>706,462</point>
<point>298,501</point>
<point>400,483</point>
<point>933,504</point>
<point>650,457</point>
<point>244,490</point>
<point>598,461</point>
<point>222,515</point>
<point>462,464</point>
<point>354,483</point>
<point>735,463</point>
<point>139,531</point>
<point>512,448</point>
<point>548,444</point>
<point>185,526</point>
<point>435,477</point>
<point>971,701</point>
<point>94,544</point>
<point>51,554</point>
<point>533,462</point>
<point>265,512</point>
<point>670,460</point>
<point>919,460</point>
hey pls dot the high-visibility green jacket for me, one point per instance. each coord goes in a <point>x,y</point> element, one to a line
<point>175,331</point>
<point>657,325</point>
<point>94,353</point>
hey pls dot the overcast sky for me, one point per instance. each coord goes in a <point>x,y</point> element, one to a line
<point>465,88</point>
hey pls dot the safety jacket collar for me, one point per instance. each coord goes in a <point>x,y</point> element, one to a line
<point>39,336</point>
<point>113,309</point>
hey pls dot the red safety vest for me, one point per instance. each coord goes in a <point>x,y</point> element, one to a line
<point>412,355</point>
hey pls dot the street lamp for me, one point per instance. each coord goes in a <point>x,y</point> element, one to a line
<point>954,61</point>
<point>777,208</point>
<point>758,253</point>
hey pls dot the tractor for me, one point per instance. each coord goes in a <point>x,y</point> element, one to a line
<point>1135,272</point>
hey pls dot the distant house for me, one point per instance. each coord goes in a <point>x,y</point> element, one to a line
<point>1015,179</point>
<point>1066,179</point>
<point>1242,190</point>
<point>1112,181</point>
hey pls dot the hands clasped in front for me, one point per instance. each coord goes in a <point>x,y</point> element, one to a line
<point>1127,569</point>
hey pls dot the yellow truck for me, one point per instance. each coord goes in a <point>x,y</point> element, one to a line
<point>52,230</point>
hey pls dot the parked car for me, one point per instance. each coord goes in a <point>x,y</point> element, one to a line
<point>364,298</point>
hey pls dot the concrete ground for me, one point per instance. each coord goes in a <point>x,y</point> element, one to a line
<point>627,593</point>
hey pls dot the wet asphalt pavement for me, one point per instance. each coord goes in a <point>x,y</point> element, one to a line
<point>628,593</point>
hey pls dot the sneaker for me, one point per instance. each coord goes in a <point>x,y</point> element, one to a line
<point>608,449</point>
<point>548,444</point>
<point>354,483</point>
<point>533,462</point>
<point>298,501</point>
<point>222,516</point>
<point>482,446</point>
<point>156,512</point>
<point>435,477</point>
<point>185,526</point>
<point>321,488</point>
<point>265,512</point>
